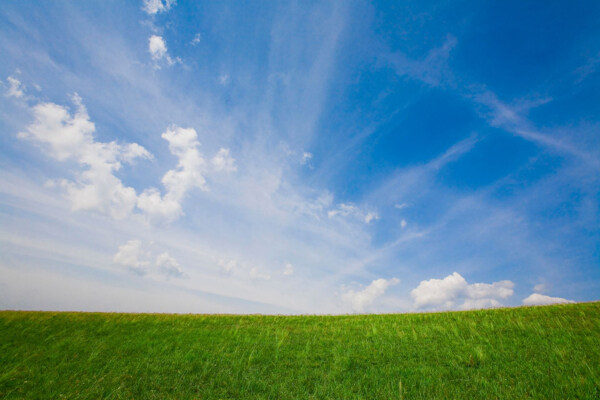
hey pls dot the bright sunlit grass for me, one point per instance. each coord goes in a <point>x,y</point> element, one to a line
<point>550,352</point>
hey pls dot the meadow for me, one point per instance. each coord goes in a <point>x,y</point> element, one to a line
<point>550,352</point>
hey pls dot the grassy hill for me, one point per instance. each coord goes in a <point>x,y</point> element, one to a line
<point>548,352</point>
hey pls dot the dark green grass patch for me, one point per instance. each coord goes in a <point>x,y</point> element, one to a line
<point>548,352</point>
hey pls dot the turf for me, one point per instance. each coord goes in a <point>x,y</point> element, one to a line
<point>550,352</point>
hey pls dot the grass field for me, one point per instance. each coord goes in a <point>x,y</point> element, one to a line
<point>550,352</point>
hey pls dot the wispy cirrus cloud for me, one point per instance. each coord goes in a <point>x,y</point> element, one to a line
<point>432,70</point>
<point>274,130</point>
<point>351,210</point>
<point>510,118</point>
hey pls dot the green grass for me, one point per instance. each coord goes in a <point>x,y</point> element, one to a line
<point>548,352</point>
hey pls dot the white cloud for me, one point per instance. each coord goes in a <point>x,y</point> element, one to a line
<point>168,265</point>
<point>343,210</point>
<point>158,51</point>
<point>431,70</point>
<point>70,137</point>
<point>222,161</point>
<point>188,174</point>
<point>536,299</point>
<point>196,39</point>
<point>400,206</point>
<point>306,157</point>
<point>439,292</point>
<point>288,269</point>
<point>474,304</point>
<point>371,216</point>
<point>130,255</point>
<point>242,269</point>
<point>15,88</point>
<point>350,210</point>
<point>133,256</point>
<point>448,292</point>
<point>131,151</point>
<point>498,290</point>
<point>360,300</point>
<point>157,47</point>
<point>403,223</point>
<point>159,208</point>
<point>183,143</point>
<point>64,134</point>
<point>587,69</point>
<point>157,6</point>
<point>511,118</point>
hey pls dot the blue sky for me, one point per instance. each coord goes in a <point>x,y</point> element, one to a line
<point>298,157</point>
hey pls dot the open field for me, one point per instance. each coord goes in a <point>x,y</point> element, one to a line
<point>550,352</point>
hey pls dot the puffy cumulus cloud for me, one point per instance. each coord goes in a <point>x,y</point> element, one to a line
<point>131,151</point>
<point>15,88</point>
<point>362,299</point>
<point>350,210</point>
<point>536,299</point>
<point>70,136</point>
<point>184,144</point>
<point>168,265</point>
<point>496,290</point>
<point>157,47</point>
<point>133,256</point>
<point>64,134</point>
<point>447,293</point>
<point>222,161</point>
<point>189,174</point>
<point>157,6</point>
<point>157,207</point>
<point>67,136</point>
<point>439,292</point>
<point>471,304</point>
